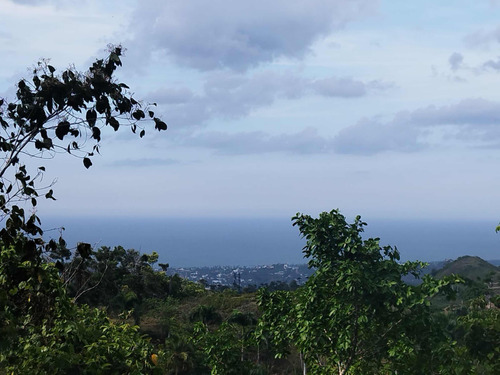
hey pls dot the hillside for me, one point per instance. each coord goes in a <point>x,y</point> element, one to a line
<point>470,267</point>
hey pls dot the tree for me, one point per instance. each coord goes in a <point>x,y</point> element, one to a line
<point>478,337</point>
<point>54,113</point>
<point>221,349</point>
<point>57,113</point>
<point>355,315</point>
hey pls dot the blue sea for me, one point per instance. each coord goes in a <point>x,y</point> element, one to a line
<point>193,242</point>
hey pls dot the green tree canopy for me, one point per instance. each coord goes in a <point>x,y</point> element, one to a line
<point>355,315</point>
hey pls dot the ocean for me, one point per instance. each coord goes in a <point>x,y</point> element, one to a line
<point>195,242</point>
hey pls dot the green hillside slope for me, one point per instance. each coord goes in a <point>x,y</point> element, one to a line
<point>471,267</point>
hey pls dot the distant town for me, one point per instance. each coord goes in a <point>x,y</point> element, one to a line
<point>277,276</point>
<point>245,277</point>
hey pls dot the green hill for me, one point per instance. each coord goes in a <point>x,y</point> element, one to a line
<point>481,279</point>
<point>472,268</point>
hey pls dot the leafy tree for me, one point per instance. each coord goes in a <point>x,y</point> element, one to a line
<point>180,356</point>
<point>113,274</point>
<point>355,315</point>
<point>57,113</point>
<point>221,349</point>
<point>54,113</point>
<point>205,314</point>
<point>247,322</point>
<point>42,330</point>
<point>478,336</point>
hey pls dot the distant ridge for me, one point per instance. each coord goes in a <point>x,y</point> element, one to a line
<point>470,267</point>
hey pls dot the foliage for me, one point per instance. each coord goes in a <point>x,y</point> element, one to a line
<point>355,314</point>
<point>115,277</point>
<point>478,332</point>
<point>179,356</point>
<point>56,113</point>
<point>41,329</point>
<point>223,349</point>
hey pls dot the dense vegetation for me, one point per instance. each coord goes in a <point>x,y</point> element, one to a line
<point>113,310</point>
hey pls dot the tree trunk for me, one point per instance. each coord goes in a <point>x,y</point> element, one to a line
<point>303,364</point>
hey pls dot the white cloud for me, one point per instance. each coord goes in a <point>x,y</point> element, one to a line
<point>475,122</point>
<point>232,95</point>
<point>238,35</point>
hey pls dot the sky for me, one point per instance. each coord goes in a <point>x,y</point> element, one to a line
<point>387,109</point>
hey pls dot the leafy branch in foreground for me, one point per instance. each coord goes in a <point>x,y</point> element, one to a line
<point>59,113</point>
<point>42,330</point>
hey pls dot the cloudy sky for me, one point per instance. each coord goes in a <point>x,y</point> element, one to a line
<point>385,108</point>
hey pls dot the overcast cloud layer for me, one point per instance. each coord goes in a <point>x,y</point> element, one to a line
<point>380,107</point>
<point>238,35</point>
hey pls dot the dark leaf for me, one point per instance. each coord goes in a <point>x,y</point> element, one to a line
<point>96,134</point>
<point>160,125</point>
<point>51,68</point>
<point>102,104</point>
<point>36,81</point>
<point>52,245</point>
<point>138,114</point>
<point>49,104</point>
<point>91,117</point>
<point>113,122</point>
<point>87,163</point>
<point>59,266</point>
<point>45,143</point>
<point>84,249</point>
<point>142,133</point>
<point>62,243</point>
<point>50,195</point>
<point>62,129</point>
